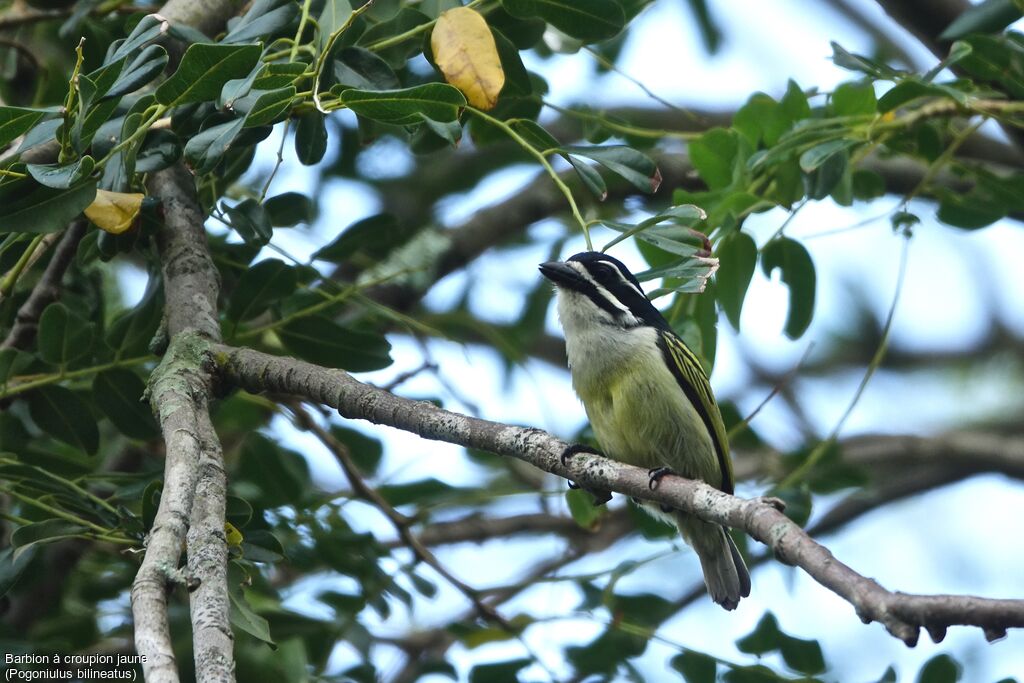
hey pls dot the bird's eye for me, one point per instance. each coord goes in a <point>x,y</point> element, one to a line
<point>602,270</point>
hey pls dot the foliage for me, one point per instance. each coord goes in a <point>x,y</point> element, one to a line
<point>138,95</point>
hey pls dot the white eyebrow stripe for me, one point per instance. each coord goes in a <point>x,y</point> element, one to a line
<point>605,294</point>
<point>625,280</point>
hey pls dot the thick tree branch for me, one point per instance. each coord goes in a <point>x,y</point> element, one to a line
<point>902,614</point>
<point>195,484</point>
<point>46,291</point>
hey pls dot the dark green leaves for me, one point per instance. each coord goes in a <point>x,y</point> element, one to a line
<point>322,341</point>
<point>61,177</point>
<point>118,394</point>
<point>800,655</point>
<point>989,16</point>
<point>27,206</point>
<point>713,155</point>
<point>206,149</point>
<point>63,335</point>
<point>250,221</point>
<point>289,208</point>
<point>627,162</point>
<point>333,17</point>
<point>696,667</point>
<point>589,21</point>
<point>435,101</point>
<point>259,287</point>
<point>63,415</point>
<point>737,256</point>
<point>146,66</point>
<point>264,19</point>
<point>365,240</point>
<point>204,70</point>
<point>798,272</point>
<point>270,106</point>
<point>15,121</point>
<point>310,138</point>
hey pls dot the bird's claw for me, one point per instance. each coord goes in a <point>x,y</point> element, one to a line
<point>655,476</point>
<point>575,449</point>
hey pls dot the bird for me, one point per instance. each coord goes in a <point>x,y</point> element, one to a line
<point>648,400</point>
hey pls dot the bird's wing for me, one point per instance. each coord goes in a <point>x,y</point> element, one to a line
<point>691,378</point>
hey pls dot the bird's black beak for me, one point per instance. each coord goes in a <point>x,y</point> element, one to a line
<point>561,273</point>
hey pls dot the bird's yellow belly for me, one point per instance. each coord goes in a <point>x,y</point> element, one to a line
<point>643,418</point>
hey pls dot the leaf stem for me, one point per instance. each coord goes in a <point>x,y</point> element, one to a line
<point>819,451</point>
<point>294,52</point>
<point>542,159</point>
<point>7,286</point>
<point>73,374</point>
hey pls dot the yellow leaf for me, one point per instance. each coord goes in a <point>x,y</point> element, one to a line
<point>232,534</point>
<point>114,211</point>
<point>465,52</point>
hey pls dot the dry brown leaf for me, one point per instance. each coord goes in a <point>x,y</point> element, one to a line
<point>114,211</point>
<point>465,52</point>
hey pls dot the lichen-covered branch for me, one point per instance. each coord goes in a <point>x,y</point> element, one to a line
<point>192,505</point>
<point>901,613</point>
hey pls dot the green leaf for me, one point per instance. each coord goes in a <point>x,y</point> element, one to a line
<point>277,75</point>
<point>498,672</point>
<point>714,155</point>
<point>908,91</point>
<point>436,101</point>
<point>149,28</point>
<point>322,341</point>
<point>270,107</point>
<point>250,221</point>
<point>802,655</point>
<point>990,16</point>
<point>159,149</point>
<point>940,669</point>
<point>591,179</point>
<point>280,476</point>
<point>798,273</point>
<point>854,99</point>
<point>15,121</point>
<point>766,637</point>
<point>27,206</point>
<point>204,70</point>
<point>311,138</point>
<point>61,177</point>
<point>588,21</point>
<point>146,66</point>
<point>118,393</point>
<point>333,17</point>
<point>365,451</point>
<point>372,238</point>
<point>12,566</point>
<point>206,149</point>
<point>696,667</point>
<point>262,546</point>
<point>131,332</point>
<point>290,208</point>
<point>969,211</point>
<point>260,286</point>
<point>356,67</point>
<point>245,619</point>
<point>636,167</point>
<point>847,60</point>
<point>737,255</point>
<point>63,335</point>
<point>47,531</point>
<point>63,415</point>
<point>263,20</point>
<point>816,156</point>
<point>582,508</point>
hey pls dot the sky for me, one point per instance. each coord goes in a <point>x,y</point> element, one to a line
<point>957,539</point>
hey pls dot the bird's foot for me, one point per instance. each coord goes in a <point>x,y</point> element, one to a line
<point>576,449</point>
<point>600,497</point>
<point>656,475</point>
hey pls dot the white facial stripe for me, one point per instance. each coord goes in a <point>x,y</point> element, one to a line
<point>614,301</point>
<point>629,282</point>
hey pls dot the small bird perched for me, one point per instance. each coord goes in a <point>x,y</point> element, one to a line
<point>648,399</point>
